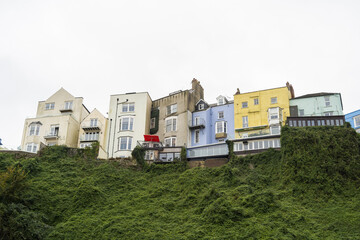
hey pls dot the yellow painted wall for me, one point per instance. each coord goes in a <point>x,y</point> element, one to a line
<point>258,114</point>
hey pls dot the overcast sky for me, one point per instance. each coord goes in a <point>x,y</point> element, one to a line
<point>97,48</point>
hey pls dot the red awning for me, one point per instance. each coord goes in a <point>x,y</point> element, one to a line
<point>151,138</point>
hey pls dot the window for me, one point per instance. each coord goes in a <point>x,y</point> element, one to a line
<point>49,106</point>
<point>124,143</point>
<point>221,115</point>
<point>274,113</point>
<point>197,136</point>
<point>356,121</point>
<point>221,101</point>
<point>170,124</point>
<point>171,109</point>
<point>308,123</point>
<point>34,129</point>
<point>31,147</point>
<point>170,142</point>
<point>256,101</point>
<point>290,123</point>
<point>301,112</point>
<point>201,106</point>
<point>220,127</point>
<point>238,147</point>
<point>93,122</point>
<point>273,100</point>
<point>337,122</point>
<point>126,123</point>
<point>68,105</point>
<point>91,136</point>
<point>149,155</point>
<point>327,101</point>
<point>152,123</point>
<point>197,121</point>
<point>244,104</point>
<point>275,130</point>
<point>328,113</point>
<point>128,107</point>
<point>54,130</point>
<point>84,145</point>
<point>245,121</point>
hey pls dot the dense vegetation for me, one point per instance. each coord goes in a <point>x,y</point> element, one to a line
<point>308,190</point>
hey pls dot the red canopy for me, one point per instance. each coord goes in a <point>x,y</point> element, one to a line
<point>151,138</point>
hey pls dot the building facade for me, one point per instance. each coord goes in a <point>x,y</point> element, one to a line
<point>170,115</point>
<point>57,122</point>
<point>210,127</point>
<point>93,129</point>
<point>316,104</point>
<point>129,121</point>
<point>259,116</point>
<point>354,119</point>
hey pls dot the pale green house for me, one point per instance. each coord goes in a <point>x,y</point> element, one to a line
<point>316,104</point>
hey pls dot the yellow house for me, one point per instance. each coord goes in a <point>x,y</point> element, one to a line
<point>261,113</point>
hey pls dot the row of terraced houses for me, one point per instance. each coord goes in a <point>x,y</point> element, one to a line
<point>252,120</point>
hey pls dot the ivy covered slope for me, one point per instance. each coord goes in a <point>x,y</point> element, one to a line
<point>308,190</point>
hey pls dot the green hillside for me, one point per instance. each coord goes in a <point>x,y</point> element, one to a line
<point>308,190</point>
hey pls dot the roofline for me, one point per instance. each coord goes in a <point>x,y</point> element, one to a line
<point>260,90</point>
<point>323,94</point>
<point>131,94</point>
<point>352,112</point>
<point>187,90</point>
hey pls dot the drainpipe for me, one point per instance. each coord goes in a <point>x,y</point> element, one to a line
<point>109,139</point>
<point>116,117</point>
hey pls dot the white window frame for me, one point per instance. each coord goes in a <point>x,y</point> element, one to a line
<point>49,106</point>
<point>130,123</point>
<point>245,122</point>
<point>244,105</point>
<point>31,147</point>
<point>84,145</point>
<point>256,101</point>
<point>275,130</point>
<point>68,105</point>
<point>93,122</point>
<point>330,113</point>
<point>128,143</point>
<point>274,113</point>
<point>301,112</point>
<point>201,106</point>
<point>197,136</point>
<point>54,130</point>
<point>273,100</point>
<point>221,115</point>
<point>92,136</point>
<point>170,109</point>
<point>170,142</point>
<point>128,107</point>
<point>196,121</point>
<point>149,155</point>
<point>171,124</point>
<point>356,118</point>
<point>34,129</point>
<point>221,127</point>
<point>221,101</point>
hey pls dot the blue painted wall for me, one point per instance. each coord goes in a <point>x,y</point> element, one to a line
<point>210,116</point>
<point>350,118</point>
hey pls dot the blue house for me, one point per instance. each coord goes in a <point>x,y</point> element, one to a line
<point>210,127</point>
<point>354,119</point>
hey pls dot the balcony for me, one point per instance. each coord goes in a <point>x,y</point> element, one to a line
<point>89,138</point>
<point>208,151</point>
<point>150,145</point>
<point>91,126</point>
<point>221,135</point>
<point>197,124</point>
<point>312,121</point>
<point>51,135</point>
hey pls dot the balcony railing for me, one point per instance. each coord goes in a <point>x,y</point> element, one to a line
<point>91,126</point>
<point>51,135</point>
<point>89,138</point>
<point>311,121</point>
<point>150,145</point>
<point>200,123</point>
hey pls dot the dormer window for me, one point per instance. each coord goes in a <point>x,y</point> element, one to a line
<point>221,101</point>
<point>201,106</point>
<point>49,106</point>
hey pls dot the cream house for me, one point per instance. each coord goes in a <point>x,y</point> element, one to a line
<point>57,122</point>
<point>129,121</point>
<point>93,129</point>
